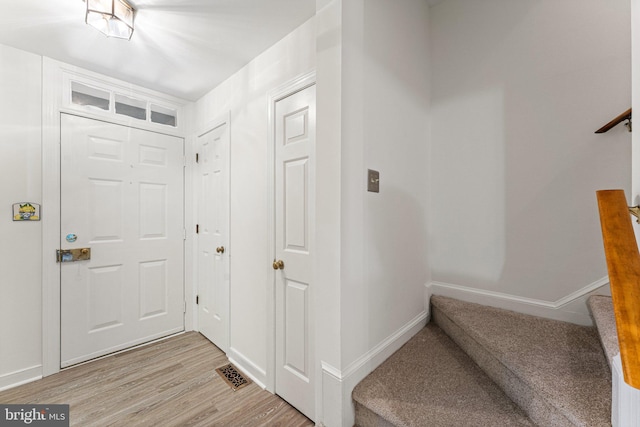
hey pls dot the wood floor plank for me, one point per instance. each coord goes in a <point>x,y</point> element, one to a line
<point>168,383</point>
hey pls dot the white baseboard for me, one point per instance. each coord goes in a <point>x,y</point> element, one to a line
<point>366,363</point>
<point>571,308</point>
<point>332,397</point>
<point>250,369</point>
<point>337,384</point>
<point>23,376</point>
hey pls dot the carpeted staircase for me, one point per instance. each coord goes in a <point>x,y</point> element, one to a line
<point>481,366</point>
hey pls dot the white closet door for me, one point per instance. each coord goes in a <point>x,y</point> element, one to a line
<point>213,236</point>
<point>295,225</point>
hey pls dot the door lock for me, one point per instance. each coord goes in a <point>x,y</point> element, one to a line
<point>220,249</point>
<point>72,255</point>
<point>278,265</point>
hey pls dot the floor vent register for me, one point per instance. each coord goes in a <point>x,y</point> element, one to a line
<point>232,376</point>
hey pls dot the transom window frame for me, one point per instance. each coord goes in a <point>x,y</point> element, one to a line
<point>156,109</point>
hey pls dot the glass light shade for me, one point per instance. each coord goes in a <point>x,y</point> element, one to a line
<point>114,18</point>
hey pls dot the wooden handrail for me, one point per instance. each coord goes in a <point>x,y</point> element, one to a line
<point>622,117</point>
<point>623,263</point>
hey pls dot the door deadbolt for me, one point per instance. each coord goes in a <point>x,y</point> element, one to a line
<point>72,255</point>
<point>220,249</point>
<point>278,265</point>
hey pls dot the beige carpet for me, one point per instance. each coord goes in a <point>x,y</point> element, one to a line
<point>482,366</point>
<point>601,308</point>
<point>555,371</point>
<point>431,382</point>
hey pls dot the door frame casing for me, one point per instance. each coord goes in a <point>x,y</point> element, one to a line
<point>287,89</point>
<point>56,80</point>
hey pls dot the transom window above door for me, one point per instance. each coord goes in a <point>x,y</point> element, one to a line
<point>110,101</point>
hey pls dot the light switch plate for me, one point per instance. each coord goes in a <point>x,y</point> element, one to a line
<point>373,181</point>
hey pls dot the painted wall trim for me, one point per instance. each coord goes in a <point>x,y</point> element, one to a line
<point>382,349</point>
<point>216,122</point>
<point>581,292</point>
<point>386,348</point>
<point>23,376</point>
<point>330,370</point>
<point>253,371</point>
<point>51,105</point>
<point>190,244</point>
<point>570,308</point>
<point>330,412</point>
<point>337,384</point>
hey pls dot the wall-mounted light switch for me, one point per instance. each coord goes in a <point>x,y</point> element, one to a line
<point>373,181</point>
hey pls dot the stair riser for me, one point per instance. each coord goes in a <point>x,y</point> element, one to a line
<point>601,309</point>
<point>538,410</point>
<point>366,418</point>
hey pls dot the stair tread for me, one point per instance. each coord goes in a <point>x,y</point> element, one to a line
<point>430,381</point>
<point>562,362</point>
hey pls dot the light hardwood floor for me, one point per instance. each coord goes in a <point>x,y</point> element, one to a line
<point>168,383</point>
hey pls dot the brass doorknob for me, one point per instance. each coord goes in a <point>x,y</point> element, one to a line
<point>220,249</point>
<point>84,251</point>
<point>278,265</point>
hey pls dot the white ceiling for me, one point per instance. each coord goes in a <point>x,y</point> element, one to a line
<point>179,47</point>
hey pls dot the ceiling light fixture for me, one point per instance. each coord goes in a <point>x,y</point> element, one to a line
<point>111,17</point>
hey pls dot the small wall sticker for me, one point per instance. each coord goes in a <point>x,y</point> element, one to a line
<point>26,211</point>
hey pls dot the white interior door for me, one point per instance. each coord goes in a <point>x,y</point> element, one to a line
<point>213,236</point>
<point>295,224</point>
<point>122,197</point>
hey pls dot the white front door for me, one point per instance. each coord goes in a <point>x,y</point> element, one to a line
<point>295,121</point>
<point>213,236</point>
<point>121,197</point>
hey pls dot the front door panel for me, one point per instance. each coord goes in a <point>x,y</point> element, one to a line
<point>121,196</point>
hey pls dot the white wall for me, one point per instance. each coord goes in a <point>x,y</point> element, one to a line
<point>244,95</point>
<point>328,226</point>
<point>385,119</point>
<point>518,90</point>
<point>20,252</point>
<point>373,111</point>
